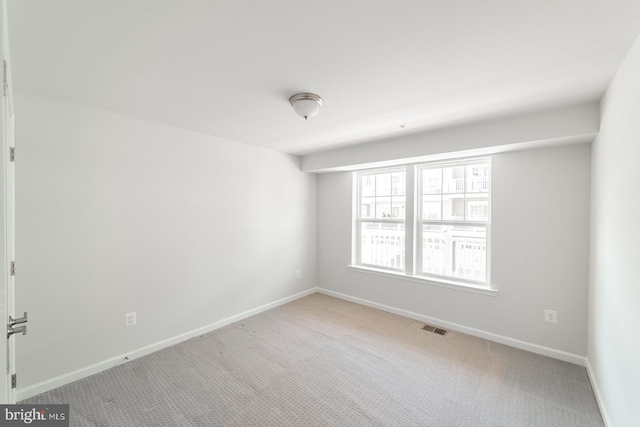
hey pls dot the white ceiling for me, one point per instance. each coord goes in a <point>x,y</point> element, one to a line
<point>227,67</point>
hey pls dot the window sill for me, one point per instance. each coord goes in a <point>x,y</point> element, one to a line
<point>459,286</point>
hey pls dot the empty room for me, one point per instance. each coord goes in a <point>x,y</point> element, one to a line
<point>291,213</point>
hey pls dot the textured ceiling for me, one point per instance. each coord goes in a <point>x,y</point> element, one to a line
<point>227,68</point>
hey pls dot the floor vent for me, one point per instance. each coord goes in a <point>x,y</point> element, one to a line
<point>435,330</point>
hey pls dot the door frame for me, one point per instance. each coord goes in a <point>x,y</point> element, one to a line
<point>7,283</point>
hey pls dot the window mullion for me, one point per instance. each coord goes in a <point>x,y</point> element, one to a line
<point>357,207</point>
<point>409,220</point>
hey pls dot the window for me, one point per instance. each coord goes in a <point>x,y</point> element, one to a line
<point>380,219</point>
<point>448,237</point>
<point>453,220</point>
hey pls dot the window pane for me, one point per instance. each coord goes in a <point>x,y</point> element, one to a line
<point>383,184</point>
<point>398,183</point>
<point>453,179</point>
<point>478,207</point>
<point>478,178</point>
<point>469,252</point>
<point>433,249</point>
<point>431,207</point>
<point>368,185</point>
<point>382,245</point>
<point>453,207</point>
<point>398,207</point>
<point>368,207</point>
<point>383,207</point>
<point>454,251</point>
<point>431,181</point>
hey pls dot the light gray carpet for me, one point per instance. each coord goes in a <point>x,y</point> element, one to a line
<point>320,361</point>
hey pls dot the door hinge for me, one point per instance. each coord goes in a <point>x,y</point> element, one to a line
<point>14,381</point>
<point>13,268</point>
<point>12,154</point>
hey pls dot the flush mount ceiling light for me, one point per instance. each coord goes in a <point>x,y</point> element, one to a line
<point>306,104</point>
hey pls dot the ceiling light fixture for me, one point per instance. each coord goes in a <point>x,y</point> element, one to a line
<point>306,104</point>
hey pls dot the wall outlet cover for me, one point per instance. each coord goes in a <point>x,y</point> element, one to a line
<point>551,316</point>
<point>130,319</point>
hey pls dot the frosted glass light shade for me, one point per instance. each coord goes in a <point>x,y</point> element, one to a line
<point>306,104</point>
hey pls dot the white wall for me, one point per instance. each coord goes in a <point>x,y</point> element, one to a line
<point>117,214</point>
<point>614,298</point>
<point>540,229</point>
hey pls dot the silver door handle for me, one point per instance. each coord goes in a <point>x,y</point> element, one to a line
<point>16,330</point>
<point>13,329</point>
<point>18,321</point>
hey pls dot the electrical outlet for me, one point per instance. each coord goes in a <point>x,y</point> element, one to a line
<point>298,274</point>
<point>130,319</point>
<point>551,316</point>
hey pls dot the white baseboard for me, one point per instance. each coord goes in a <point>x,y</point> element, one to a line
<point>35,389</point>
<point>41,387</point>
<point>523,345</point>
<point>598,393</point>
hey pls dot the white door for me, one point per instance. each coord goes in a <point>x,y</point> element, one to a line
<point>7,354</point>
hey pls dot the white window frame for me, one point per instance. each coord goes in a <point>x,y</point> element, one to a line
<point>420,222</point>
<point>359,221</point>
<point>413,225</point>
